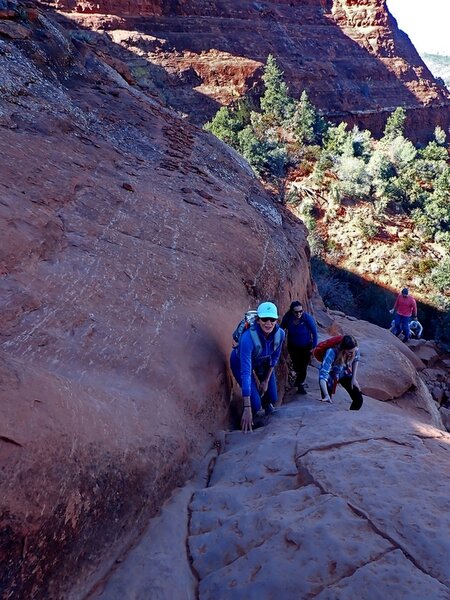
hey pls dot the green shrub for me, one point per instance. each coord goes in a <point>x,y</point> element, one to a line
<point>307,211</point>
<point>439,135</point>
<point>367,227</point>
<point>424,266</point>
<point>252,149</point>
<point>335,139</point>
<point>443,237</point>
<point>355,180</point>
<point>407,245</point>
<point>433,152</point>
<point>303,120</point>
<point>440,276</point>
<point>316,243</point>
<point>225,126</point>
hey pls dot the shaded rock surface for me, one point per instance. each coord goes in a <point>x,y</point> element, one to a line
<point>351,58</point>
<point>131,244</point>
<point>322,502</point>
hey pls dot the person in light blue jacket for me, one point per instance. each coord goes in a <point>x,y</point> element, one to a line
<point>253,361</point>
<point>340,365</point>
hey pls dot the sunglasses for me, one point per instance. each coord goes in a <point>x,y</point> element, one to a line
<point>265,319</point>
<point>298,312</point>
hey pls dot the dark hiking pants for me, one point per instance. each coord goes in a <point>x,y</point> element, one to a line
<point>300,356</point>
<point>354,392</point>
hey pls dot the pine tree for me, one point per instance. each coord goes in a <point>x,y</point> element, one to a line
<point>229,121</point>
<point>395,124</point>
<point>439,136</point>
<point>303,120</point>
<point>224,126</point>
<point>252,149</point>
<point>275,102</point>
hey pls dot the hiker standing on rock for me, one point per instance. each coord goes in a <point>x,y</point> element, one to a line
<point>405,307</point>
<point>339,365</point>
<point>253,361</point>
<point>301,332</point>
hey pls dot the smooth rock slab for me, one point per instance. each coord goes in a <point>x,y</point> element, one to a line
<point>367,516</point>
<point>400,581</point>
<point>307,554</point>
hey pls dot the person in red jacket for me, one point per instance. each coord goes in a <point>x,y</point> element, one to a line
<point>405,307</point>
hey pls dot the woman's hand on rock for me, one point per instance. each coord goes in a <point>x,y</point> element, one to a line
<point>247,419</point>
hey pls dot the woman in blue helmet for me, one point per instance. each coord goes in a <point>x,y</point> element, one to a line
<point>253,361</point>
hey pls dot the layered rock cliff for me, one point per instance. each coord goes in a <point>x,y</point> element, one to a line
<point>352,59</point>
<point>132,242</point>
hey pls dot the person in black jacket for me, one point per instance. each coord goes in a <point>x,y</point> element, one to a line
<point>301,332</point>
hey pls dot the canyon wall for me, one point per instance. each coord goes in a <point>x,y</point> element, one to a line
<point>351,58</point>
<point>132,243</point>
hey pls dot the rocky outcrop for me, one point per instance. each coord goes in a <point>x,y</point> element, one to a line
<point>352,59</point>
<point>436,374</point>
<point>131,244</point>
<point>325,504</point>
<point>322,502</point>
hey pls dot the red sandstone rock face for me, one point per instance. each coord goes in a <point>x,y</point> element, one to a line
<point>350,56</point>
<point>131,244</point>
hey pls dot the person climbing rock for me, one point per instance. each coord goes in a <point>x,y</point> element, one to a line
<point>404,308</point>
<point>415,329</point>
<point>340,365</point>
<point>253,361</point>
<point>301,332</point>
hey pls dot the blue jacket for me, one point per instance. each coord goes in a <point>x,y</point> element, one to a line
<point>302,334</point>
<point>268,357</point>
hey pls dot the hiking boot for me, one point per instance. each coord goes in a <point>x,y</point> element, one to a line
<point>301,389</point>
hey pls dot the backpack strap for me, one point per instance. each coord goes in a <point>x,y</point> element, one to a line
<point>278,338</point>
<point>257,346</point>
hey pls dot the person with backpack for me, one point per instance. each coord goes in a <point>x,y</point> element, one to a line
<point>301,332</point>
<point>339,365</point>
<point>253,361</point>
<point>404,308</point>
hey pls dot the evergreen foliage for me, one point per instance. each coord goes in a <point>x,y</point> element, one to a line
<point>224,125</point>
<point>440,276</point>
<point>395,124</point>
<point>288,139</point>
<point>275,102</point>
<point>252,149</point>
<point>439,136</point>
<point>304,120</point>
